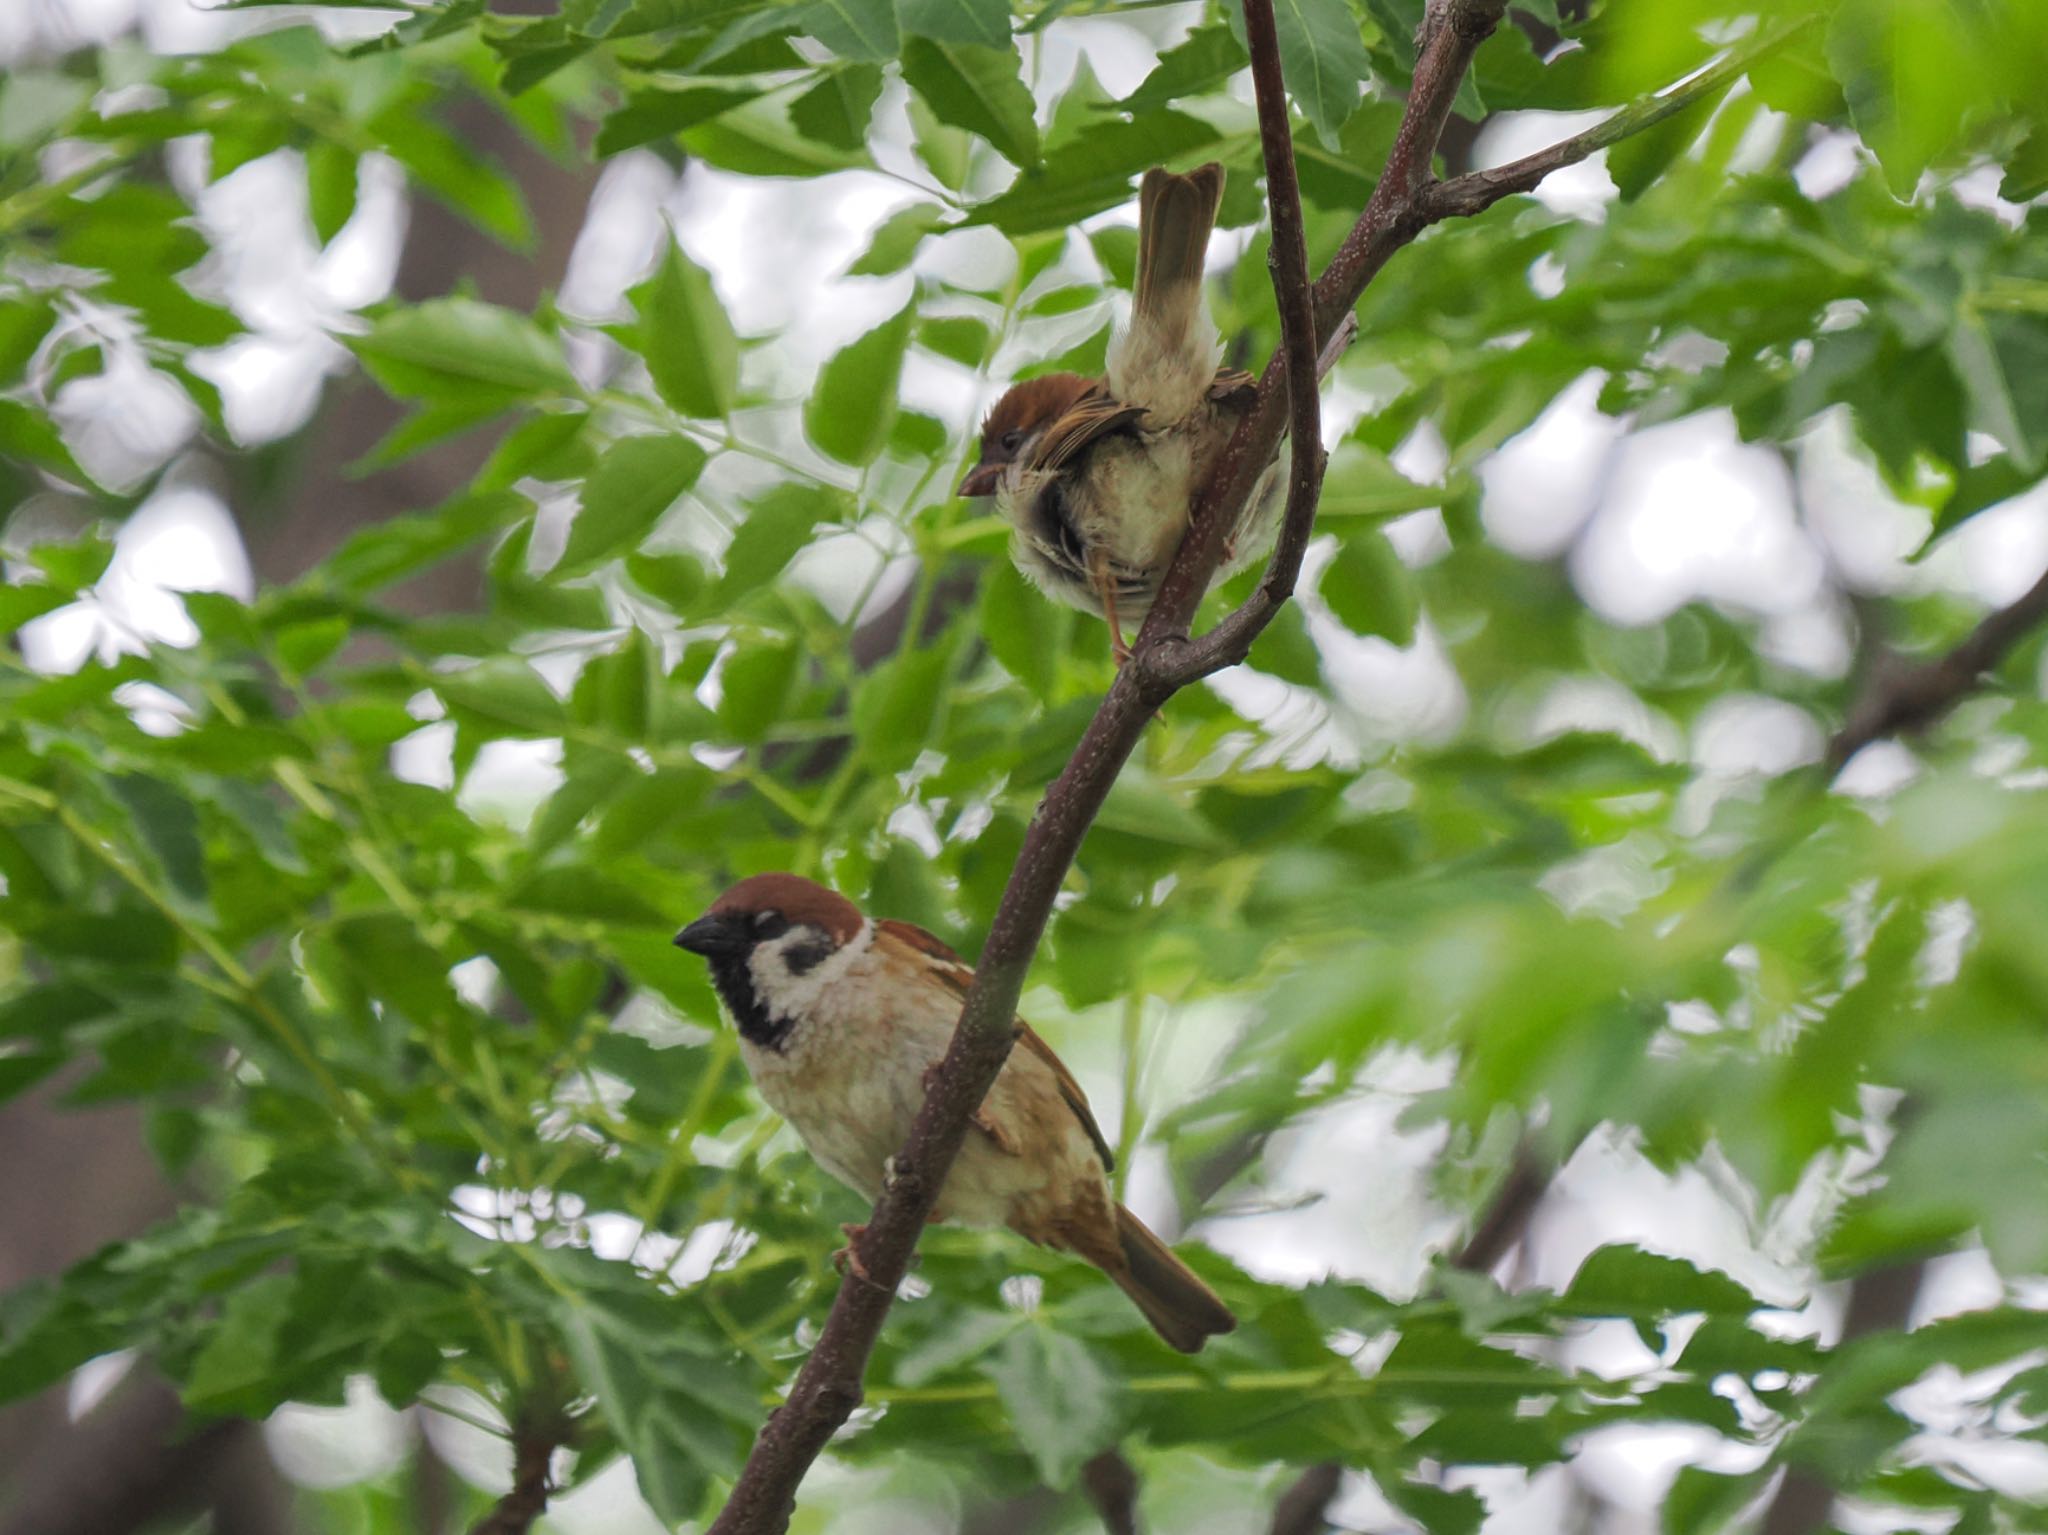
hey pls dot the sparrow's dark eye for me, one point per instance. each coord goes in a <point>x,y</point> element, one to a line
<point>1012,440</point>
<point>769,924</point>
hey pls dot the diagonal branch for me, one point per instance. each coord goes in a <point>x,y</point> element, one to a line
<point>828,1387</point>
<point>1900,699</point>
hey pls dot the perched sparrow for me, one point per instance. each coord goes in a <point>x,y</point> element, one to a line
<point>841,1023</point>
<point>1096,475</point>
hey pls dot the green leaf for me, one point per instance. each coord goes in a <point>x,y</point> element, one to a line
<point>961,337</point>
<point>759,140</point>
<point>23,325</point>
<point>470,184</point>
<point>986,22</point>
<point>19,604</point>
<point>672,1402</point>
<point>331,177</point>
<point>169,828</point>
<point>1369,590</point>
<point>979,89</point>
<point>777,525</point>
<point>1908,70</point>
<point>75,566</point>
<point>897,240</point>
<point>863,30</point>
<point>838,108</point>
<point>691,351</point>
<point>753,686</point>
<point>405,546</point>
<point>675,579</point>
<point>896,706</point>
<point>850,410</point>
<point>1200,63</point>
<point>1061,1402</point>
<point>1624,1281</point>
<point>236,1372</point>
<point>659,114</point>
<point>394,964</point>
<point>635,481</point>
<point>1702,1502</point>
<point>1093,172</point>
<point>449,348</point>
<point>1024,631</point>
<point>1638,160</point>
<point>504,694</point>
<point>1324,60</point>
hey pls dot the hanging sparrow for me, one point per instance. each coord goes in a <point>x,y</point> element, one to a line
<point>1096,476</point>
<point>842,1021</point>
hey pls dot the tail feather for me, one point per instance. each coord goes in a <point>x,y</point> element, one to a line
<point>1167,358</point>
<point>1182,1310</point>
<point>1175,217</point>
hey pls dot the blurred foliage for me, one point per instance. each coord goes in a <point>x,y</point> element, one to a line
<point>353,1004</point>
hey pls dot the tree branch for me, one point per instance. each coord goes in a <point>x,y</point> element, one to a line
<point>1880,1300</point>
<point>1111,1484</point>
<point>1898,698</point>
<point>828,1387</point>
<point>533,1449</point>
<point>1507,1213</point>
<point>1303,1507</point>
<point>1231,640</point>
<point>1476,191</point>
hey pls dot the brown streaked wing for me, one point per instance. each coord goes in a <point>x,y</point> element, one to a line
<point>1233,386</point>
<point>947,967</point>
<point>1095,414</point>
<point>956,975</point>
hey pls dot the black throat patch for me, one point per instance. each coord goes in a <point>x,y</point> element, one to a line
<point>734,978</point>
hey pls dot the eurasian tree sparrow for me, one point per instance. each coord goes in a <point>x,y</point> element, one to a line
<point>841,1021</point>
<point>1096,476</point>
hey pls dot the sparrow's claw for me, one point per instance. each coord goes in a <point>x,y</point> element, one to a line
<point>847,1258</point>
<point>1105,593</point>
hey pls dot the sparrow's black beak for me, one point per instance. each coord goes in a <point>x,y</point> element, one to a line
<point>981,480</point>
<point>714,934</point>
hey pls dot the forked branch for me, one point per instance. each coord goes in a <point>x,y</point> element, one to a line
<point>828,1387</point>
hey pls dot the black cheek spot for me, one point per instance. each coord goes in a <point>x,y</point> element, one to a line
<point>802,958</point>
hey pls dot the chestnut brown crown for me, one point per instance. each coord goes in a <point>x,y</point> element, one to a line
<point>802,901</point>
<point>1023,410</point>
<point>765,906</point>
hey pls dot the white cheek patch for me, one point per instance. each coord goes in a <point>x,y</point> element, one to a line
<point>789,994</point>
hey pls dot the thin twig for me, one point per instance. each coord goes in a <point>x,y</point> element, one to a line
<point>1111,1484</point>
<point>1476,191</point>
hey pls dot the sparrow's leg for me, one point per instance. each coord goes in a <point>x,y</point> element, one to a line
<point>1105,593</point>
<point>847,1257</point>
